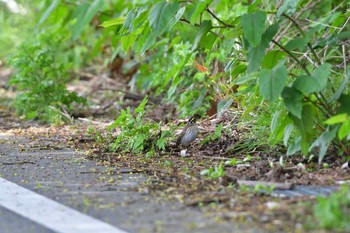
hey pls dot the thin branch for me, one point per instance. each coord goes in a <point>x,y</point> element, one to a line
<point>292,55</point>
<point>219,20</point>
<point>197,25</point>
<point>303,34</point>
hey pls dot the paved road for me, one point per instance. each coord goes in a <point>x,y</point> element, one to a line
<point>65,176</point>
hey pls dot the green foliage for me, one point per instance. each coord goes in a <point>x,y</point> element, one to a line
<point>41,80</point>
<point>214,173</point>
<point>307,89</point>
<point>212,137</point>
<point>136,135</point>
<point>333,212</point>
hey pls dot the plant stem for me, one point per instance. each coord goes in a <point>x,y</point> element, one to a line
<point>303,34</point>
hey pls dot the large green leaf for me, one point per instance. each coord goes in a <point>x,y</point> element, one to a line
<point>344,107</point>
<point>48,11</point>
<point>297,43</point>
<point>199,8</point>
<point>293,100</point>
<point>253,25</point>
<point>203,30</point>
<point>164,15</point>
<point>272,82</point>
<point>87,12</point>
<point>272,58</point>
<point>307,84</point>
<point>255,56</point>
<point>323,141</point>
<point>322,73</point>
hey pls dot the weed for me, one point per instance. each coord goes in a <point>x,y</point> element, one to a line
<point>213,173</point>
<point>41,80</point>
<point>333,212</point>
<point>213,136</point>
<point>136,135</point>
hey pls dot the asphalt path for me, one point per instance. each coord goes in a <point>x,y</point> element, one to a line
<point>48,186</point>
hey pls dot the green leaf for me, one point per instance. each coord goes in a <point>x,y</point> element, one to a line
<point>307,84</point>
<point>255,56</point>
<point>278,124</point>
<point>268,35</point>
<point>288,7</point>
<point>344,129</point>
<point>141,107</point>
<point>305,123</point>
<point>294,147</point>
<point>253,25</point>
<point>204,29</point>
<point>272,82</point>
<point>341,88</point>
<point>113,22</point>
<point>340,118</point>
<point>322,73</point>
<point>297,43</point>
<point>48,11</point>
<point>292,99</point>
<point>287,132</point>
<point>199,8</point>
<point>163,16</point>
<point>323,141</point>
<point>272,58</point>
<point>344,107</point>
<point>85,16</point>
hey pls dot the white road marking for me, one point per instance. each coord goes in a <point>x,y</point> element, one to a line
<point>49,213</point>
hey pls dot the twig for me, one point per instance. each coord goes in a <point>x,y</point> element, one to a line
<point>280,186</point>
<point>14,163</point>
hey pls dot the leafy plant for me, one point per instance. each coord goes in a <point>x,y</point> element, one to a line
<point>214,173</point>
<point>213,136</point>
<point>136,135</point>
<point>271,56</point>
<point>333,212</point>
<point>41,80</point>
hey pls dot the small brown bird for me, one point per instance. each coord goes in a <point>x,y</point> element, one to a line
<point>189,133</point>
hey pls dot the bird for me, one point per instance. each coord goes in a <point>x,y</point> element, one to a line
<point>189,133</point>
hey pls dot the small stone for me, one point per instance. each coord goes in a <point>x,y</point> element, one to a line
<point>183,153</point>
<point>345,166</point>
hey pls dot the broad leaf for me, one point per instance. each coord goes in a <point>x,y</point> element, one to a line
<point>199,8</point>
<point>336,119</point>
<point>294,146</point>
<point>88,12</point>
<point>344,107</point>
<point>163,16</point>
<point>255,56</point>
<point>322,73</point>
<point>253,25</point>
<point>48,11</point>
<point>272,82</point>
<point>272,58</point>
<point>307,84</point>
<point>204,29</point>
<point>297,43</point>
<point>323,141</point>
<point>113,22</point>
<point>293,100</point>
<point>344,129</point>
